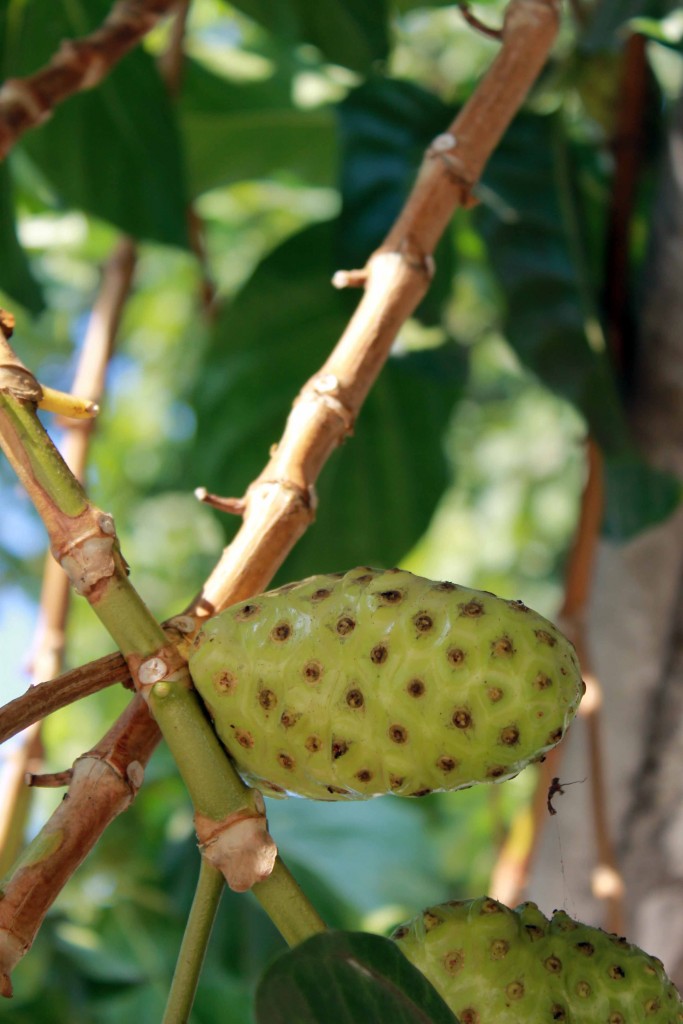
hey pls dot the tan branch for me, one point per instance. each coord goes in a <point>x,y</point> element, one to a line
<point>79,64</point>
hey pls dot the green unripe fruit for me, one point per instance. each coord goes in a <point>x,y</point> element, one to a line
<point>493,965</point>
<point>352,685</point>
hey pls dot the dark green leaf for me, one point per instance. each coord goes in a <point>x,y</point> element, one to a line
<point>532,221</point>
<point>348,977</point>
<point>114,151</point>
<point>607,20</point>
<point>531,224</point>
<point>15,273</point>
<point>385,127</point>
<point>353,33</point>
<point>252,130</point>
<point>636,496</point>
<point>378,492</point>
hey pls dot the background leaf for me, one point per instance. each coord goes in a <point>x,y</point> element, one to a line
<point>636,496</point>
<point>532,230</point>
<point>377,492</point>
<point>350,977</point>
<point>16,276</point>
<point>532,221</point>
<point>113,151</point>
<point>252,130</point>
<point>385,127</point>
<point>353,33</point>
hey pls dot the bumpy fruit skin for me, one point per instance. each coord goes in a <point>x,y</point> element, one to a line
<point>493,965</point>
<point>356,684</point>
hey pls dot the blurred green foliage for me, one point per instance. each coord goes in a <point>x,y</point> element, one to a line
<point>296,134</point>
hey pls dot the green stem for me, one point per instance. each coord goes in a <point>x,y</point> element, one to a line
<point>39,466</point>
<point>203,911</point>
<point>287,906</point>
<point>215,788</point>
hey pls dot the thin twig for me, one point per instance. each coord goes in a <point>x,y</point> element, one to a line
<point>474,22</point>
<point>49,780</point>
<point>79,64</point>
<point>43,699</point>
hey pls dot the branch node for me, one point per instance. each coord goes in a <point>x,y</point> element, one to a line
<point>186,624</point>
<point>87,560</point>
<point>442,143</point>
<point>17,381</point>
<point>325,388</point>
<point>416,258</point>
<point>441,149</point>
<point>160,671</point>
<point>240,846</point>
<point>152,671</point>
<point>305,497</point>
<point>84,59</point>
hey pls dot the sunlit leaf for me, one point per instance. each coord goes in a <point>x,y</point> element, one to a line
<point>252,130</point>
<point>353,33</point>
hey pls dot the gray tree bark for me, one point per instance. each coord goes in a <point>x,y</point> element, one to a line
<point>635,636</point>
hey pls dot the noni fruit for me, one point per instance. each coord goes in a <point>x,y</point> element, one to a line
<point>351,685</point>
<point>493,965</point>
